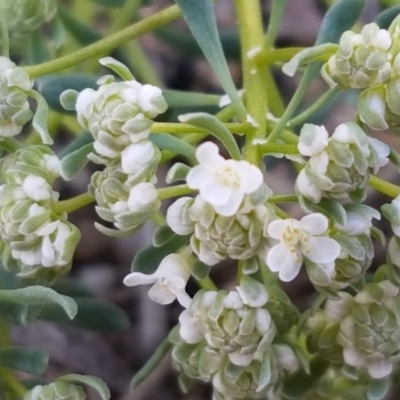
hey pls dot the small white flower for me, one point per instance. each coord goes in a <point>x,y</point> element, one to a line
<point>223,183</point>
<point>37,188</point>
<point>298,239</point>
<point>137,157</point>
<point>313,140</point>
<point>141,197</point>
<point>178,216</point>
<point>169,280</point>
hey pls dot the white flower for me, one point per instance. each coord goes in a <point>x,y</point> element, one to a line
<point>313,140</point>
<point>178,216</point>
<point>223,183</point>
<point>142,197</point>
<point>298,239</point>
<point>169,280</point>
<point>137,157</point>
<point>37,188</point>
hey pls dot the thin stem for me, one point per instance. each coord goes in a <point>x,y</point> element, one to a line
<point>283,198</point>
<point>254,77</point>
<point>165,127</point>
<point>316,106</point>
<point>151,364</point>
<point>11,145</point>
<point>207,283</point>
<point>173,191</point>
<point>74,204</point>
<point>383,186</point>
<point>107,44</point>
<point>278,7</point>
<point>284,148</point>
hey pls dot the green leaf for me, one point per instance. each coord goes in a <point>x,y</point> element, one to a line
<point>51,87</point>
<point>394,157</point>
<point>200,17</point>
<point>165,141</point>
<point>74,162</point>
<point>80,141</point>
<point>386,17</point>
<point>378,388</point>
<point>300,382</point>
<point>176,98</point>
<point>93,314</point>
<point>40,295</point>
<point>68,99</point>
<point>96,383</point>
<point>215,127</point>
<point>177,172</point>
<point>120,69</point>
<point>161,235</point>
<point>14,313</point>
<point>72,288</point>
<point>340,17</point>
<point>148,259</point>
<point>26,359</point>
<point>110,3</point>
<point>37,51</point>
<point>39,121</point>
<point>200,270</point>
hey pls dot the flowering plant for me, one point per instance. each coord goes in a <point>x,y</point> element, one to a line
<point>217,210</point>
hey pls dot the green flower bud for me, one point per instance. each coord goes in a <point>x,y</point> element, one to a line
<point>15,110</point>
<point>118,114</point>
<point>56,391</point>
<point>362,60</point>
<point>122,200</point>
<point>34,160</point>
<point>216,237</point>
<point>26,16</point>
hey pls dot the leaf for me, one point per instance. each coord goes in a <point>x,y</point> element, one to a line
<point>26,359</point>
<point>200,17</point>
<point>51,87</point>
<point>300,382</point>
<point>37,51</point>
<point>14,313</point>
<point>68,99</point>
<point>39,121</point>
<point>82,140</point>
<point>394,157</point>
<point>176,98</point>
<point>110,3</point>
<point>215,127</point>
<point>39,295</point>
<point>96,383</point>
<point>162,235</point>
<point>378,388</point>
<point>386,17</point>
<point>120,69</point>
<point>165,141</point>
<point>74,162</point>
<point>93,314</point>
<point>340,17</point>
<point>148,259</point>
<point>177,172</point>
<point>72,288</point>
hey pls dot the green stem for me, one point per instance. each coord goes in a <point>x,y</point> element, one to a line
<point>207,284</point>
<point>151,364</point>
<point>173,191</point>
<point>107,44</point>
<point>306,114</point>
<point>11,145</point>
<point>178,128</point>
<point>74,204</point>
<point>284,148</point>
<point>383,186</point>
<point>254,77</point>
<point>278,7</point>
<point>283,198</point>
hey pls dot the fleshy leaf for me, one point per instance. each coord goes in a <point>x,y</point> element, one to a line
<point>176,98</point>
<point>39,121</point>
<point>165,141</point>
<point>96,383</point>
<point>68,99</point>
<point>177,172</point>
<point>215,127</point>
<point>39,295</point>
<point>162,235</point>
<point>120,69</point>
<point>74,162</point>
<point>27,359</point>
<point>386,17</point>
<point>200,17</point>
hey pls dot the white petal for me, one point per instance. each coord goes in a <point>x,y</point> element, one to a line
<point>207,154</point>
<point>215,193</point>
<point>279,258</point>
<point>290,271</point>
<point>239,359</point>
<point>307,188</point>
<point>232,205</point>
<point>197,176</point>
<point>190,329</point>
<point>320,249</point>
<point>353,357</point>
<point>316,224</point>
<point>137,278</point>
<point>251,177</point>
<point>161,294</point>
<point>277,228</point>
<point>313,139</point>
<point>379,369</point>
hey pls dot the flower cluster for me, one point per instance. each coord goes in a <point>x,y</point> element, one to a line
<point>361,331</point>
<point>34,235</point>
<point>119,116</point>
<point>14,85</point>
<point>25,16</point>
<point>339,165</point>
<point>55,391</point>
<point>229,338</point>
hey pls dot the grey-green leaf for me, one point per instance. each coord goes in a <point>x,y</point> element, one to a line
<point>26,359</point>
<point>39,121</point>
<point>74,162</point>
<point>386,17</point>
<point>39,295</point>
<point>200,17</point>
<point>96,383</point>
<point>165,141</point>
<point>215,127</point>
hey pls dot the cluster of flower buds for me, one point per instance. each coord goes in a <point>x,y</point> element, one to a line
<point>339,165</point>
<point>119,116</point>
<point>26,16</point>
<point>58,390</point>
<point>229,338</point>
<point>361,332</point>
<point>34,235</point>
<point>370,61</point>
<point>15,109</point>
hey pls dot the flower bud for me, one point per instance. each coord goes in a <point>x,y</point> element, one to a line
<point>56,391</point>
